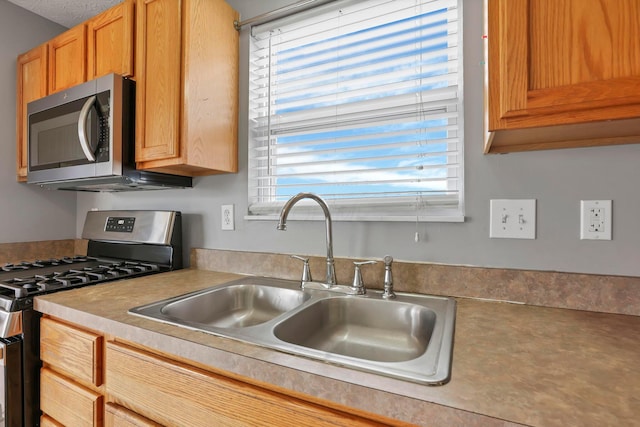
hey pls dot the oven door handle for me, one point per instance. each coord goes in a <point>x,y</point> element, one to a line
<point>82,130</point>
<point>10,324</point>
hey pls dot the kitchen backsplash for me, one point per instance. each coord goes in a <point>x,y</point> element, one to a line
<point>29,251</point>
<point>591,292</point>
<point>609,294</point>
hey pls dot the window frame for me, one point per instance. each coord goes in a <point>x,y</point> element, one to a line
<point>411,209</point>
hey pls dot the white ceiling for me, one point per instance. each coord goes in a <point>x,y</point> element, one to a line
<point>66,12</point>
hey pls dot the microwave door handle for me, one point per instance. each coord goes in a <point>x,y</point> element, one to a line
<point>82,129</point>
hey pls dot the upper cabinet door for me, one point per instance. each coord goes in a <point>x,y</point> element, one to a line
<point>158,79</point>
<point>186,87</point>
<point>110,42</point>
<point>31,85</point>
<point>562,62</point>
<point>67,64</point>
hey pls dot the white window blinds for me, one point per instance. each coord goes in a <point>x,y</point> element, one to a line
<point>360,103</point>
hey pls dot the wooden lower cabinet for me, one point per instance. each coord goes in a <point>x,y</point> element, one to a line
<point>141,388</point>
<point>46,421</point>
<point>117,416</point>
<point>71,389</point>
<point>176,394</point>
<point>72,351</point>
<point>69,403</point>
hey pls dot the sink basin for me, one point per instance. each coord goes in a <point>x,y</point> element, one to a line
<point>378,330</point>
<point>236,306</point>
<point>409,338</point>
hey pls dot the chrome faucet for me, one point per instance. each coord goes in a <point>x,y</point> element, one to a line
<point>282,225</point>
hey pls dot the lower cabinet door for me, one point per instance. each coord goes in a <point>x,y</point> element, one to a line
<point>46,421</point>
<point>69,403</point>
<point>72,350</point>
<point>117,416</point>
<point>177,394</point>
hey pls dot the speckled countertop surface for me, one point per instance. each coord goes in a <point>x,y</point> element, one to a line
<point>512,364</point>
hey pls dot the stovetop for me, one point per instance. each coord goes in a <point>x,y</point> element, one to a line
<point>121,244</point>
<point>20,282</point>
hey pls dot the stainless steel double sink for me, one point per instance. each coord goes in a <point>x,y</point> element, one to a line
<point>409,337</point>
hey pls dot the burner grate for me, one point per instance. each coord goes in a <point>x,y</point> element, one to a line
<point>44,263</point>
<point>14,267</point>
<point>46,277</point>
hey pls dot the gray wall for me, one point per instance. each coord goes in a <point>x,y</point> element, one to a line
<point>27,213</point>
<point>557,179</point>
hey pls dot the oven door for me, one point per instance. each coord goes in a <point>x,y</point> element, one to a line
<point>73,135</point>
<point>11,387</point>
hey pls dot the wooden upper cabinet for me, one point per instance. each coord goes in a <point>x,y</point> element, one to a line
<point>186,71</point>
<point>110,40</point>
<point>67,64</point>
<point>158,83</point>
<point>186,87</point>
<point>31,84</point>
<point>102,45</point>
<point>562,73</point>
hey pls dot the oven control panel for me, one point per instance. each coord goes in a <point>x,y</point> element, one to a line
<point>134,226</point>
<point>120,224</point>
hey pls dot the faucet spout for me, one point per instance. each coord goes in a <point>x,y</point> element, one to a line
<point>282,225</point>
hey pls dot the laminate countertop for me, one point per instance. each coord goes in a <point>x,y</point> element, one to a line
<point>512,363</point>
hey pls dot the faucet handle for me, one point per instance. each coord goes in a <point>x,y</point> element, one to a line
<point>306,271</point>
<point>388,279</point>
<point>358,284</point>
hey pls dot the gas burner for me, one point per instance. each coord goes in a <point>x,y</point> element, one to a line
<point>49,262</point>
<point>128,268</point>
<point>53,274</point>
<point>21,282</point>
<point>43,263</point>
<point>13,267</point>
<point>77,258</point>
<point>18,288</point>
<point>26,284</point>
<point>69,278</point>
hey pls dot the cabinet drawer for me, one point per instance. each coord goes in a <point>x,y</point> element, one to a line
<point>68,402</point>
<point>176,394</point>
<point>117,416</point>
<point>46,421</point>
<point>72,351</point>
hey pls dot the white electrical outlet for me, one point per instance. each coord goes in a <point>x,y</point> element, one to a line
<point>512,219</point>
<point>595,219</point>
<point>227,218</point>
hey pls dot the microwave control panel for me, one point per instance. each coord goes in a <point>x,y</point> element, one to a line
<point>102,117</point>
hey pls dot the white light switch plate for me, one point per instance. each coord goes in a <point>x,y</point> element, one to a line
<point>512,219</point>
<point>595,219</point>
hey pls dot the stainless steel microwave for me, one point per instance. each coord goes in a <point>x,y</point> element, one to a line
<point>83,139</point>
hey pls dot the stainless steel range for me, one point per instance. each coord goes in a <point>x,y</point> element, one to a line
<point>122,244</point>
